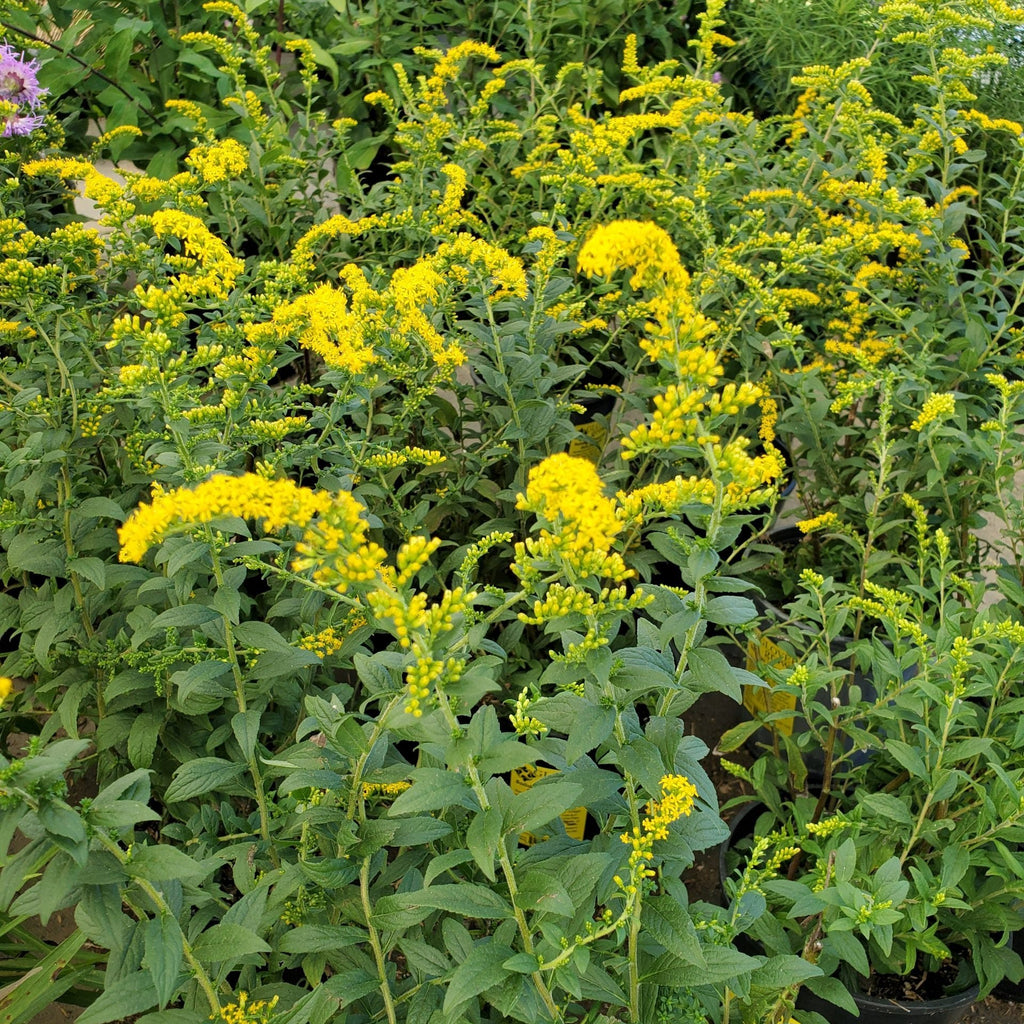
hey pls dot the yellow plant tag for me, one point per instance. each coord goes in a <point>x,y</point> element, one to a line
<point>521,779</point>
<point>762,700</point>
<point>590,446</point>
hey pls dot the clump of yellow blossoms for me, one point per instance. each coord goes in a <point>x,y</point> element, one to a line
<point>677,799</point>
<point>243,1012</point>
<point>680,328</point>
<point>568,496</point>
<point>358,326</point>
<point>278,503</point>
<point>936,407</point>
<point>219,161</point>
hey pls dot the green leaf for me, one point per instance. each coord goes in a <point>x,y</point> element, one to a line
<point>670,925</point>
<point>601,986</point>
<point>504,757</point>
<point>467,899</point>
<point>434,789</point>
<point>424,959</point>
<point>92,569</point>
<point>320,938</point>
<point>644,762</point>
<point>263,636</point>
<point>101,508</point>
<point>481,970</point>
<point>834,991</point>
<point>730,611</point>
<point>130,995</point>
<point>273,664</point>
<point>26,553</point>
<point>711,671</point>
<point>417,831</point>
<point>888,807</point>
<point>165,953</point>
<point>848,949</point>
<point>441,864</point>
<point>543,893</point>
<point>483,838</point>
<point>183,617</point>
<point>159,863</point>
<point>589,729</point>
<point>543,803</point>
<point>246,727</point>
<point>734,738</point>
<point>142,738</point>
<point>227,942</point>
<point>199,677</point>
<point>201,776</point>
<point>521,963</point>
<point>784,970</point>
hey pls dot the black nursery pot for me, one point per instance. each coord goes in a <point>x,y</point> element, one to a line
<point>947,1010</point>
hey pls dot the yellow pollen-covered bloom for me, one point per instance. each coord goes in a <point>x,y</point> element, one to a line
<point>276,502</point>
<point>568,493</point>
<point>219,161</point>
<point>936,407</point>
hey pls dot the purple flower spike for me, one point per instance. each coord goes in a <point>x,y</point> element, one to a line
<point>18,81</point>
<point>21,125</point>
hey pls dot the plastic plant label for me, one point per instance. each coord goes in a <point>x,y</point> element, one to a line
<point>760,700</point>
<point>521,779</point>
<point>589,447</point>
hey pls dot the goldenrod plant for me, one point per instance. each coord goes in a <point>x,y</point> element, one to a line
<point>377,639</point>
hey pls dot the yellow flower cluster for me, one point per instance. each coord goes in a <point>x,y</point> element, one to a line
<point>325,325</point>
<point>823,522</point>
<point>680,328</point>
<point>640,246</point>
<point>6,685</point>
<point>667,498</point>
<point>522,721</point>
<point>322,644</point>
<point>335,546</point>
<point>394,324</point>
<point>677,799</point>
<point>219,161</point>
<point>412,556</point>
<point>277,503</point>
<point>243,1012</point>
<point>567,495</point>
<point>216,269</point>
<point>448,66</point>
<point>561,600</point>
<point>936,407</point>
<point>386,789</point>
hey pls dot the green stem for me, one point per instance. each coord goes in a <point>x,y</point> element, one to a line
<point>375,945</point>
<point>236,672</point>
<point>162,906</point>
<point>507,870</point>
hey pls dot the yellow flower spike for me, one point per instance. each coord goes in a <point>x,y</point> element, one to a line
<point>6,685</point>
<point>219,161</point>
<point>413,555</point>
<point>327,326</point>
<point>936,407</point>
<point>278,503</point>
<point>243,1012</point>
<point>818,523</point>
<point>568,493</point>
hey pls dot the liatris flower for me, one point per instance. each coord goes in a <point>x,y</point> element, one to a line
<point>19,92</point>
<point>18,77</point>
<point>19,124</point>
